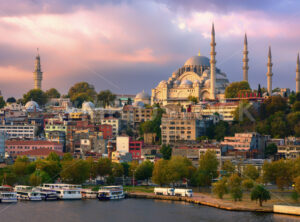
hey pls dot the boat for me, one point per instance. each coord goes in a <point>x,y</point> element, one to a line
<point>48,195</point>
<point>88,194</point>
<point>7,195</point>
<point>111,193</point>
<point>63,191</point>
<point>27,193</point>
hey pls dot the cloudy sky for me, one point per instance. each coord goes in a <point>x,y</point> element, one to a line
<point>130,45</point>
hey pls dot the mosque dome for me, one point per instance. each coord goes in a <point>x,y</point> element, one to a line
<point>142,96</point>
<point>31,105</point>
<point>186,83</point>
<point>88,106</point>
<point>197,61</point>
<point>138,104</point>
<point>177,82</point>
<point>196,82</point>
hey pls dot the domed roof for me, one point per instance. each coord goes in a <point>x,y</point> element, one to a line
<point>138,104</point>
<point>197,61</point>
<point>87,106</point>
<point>177,82</point>
<point>186,83</point>
<point>31,105</point>
<point>142,95</point>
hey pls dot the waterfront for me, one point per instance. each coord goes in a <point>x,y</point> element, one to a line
<point>133,210</point>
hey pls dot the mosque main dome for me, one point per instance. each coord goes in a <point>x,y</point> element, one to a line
<point>197,61</point>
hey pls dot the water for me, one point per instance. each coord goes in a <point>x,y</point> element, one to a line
<point>131,210</point>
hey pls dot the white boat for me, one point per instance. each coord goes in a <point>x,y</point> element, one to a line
<point>7,195</point>
<point>63,191</point>
<point>88,194</point>
<point>111,193</point>
<point>27,193</point>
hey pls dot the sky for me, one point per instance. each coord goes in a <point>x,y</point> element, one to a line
<point>131,45</point>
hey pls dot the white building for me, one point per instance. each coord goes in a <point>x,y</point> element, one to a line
<point>114,122</point>
<point>122,144</point>
<point>19,131</point>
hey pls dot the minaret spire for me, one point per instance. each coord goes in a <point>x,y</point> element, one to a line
<point>213,64</point>
<point>37,74</point>
<point>269,73</point>
<point>298,75</point>
<point>245,59</point>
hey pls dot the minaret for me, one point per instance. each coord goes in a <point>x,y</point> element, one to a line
<point>245,60</point>
<point>37,74</point>
<point>213,64</point>
<point>298,75</point>
<point>269,73</point>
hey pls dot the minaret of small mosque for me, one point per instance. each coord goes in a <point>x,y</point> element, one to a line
<point>269,73</point>
<point>37,74</point>
<point>298,75</point>
<point>245,60</point>
<point>213,65</point>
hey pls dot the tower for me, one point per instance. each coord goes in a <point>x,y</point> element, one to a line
<point>37,74</point>
<point>269,73</point>
<point>245,60</point>
<point>212,64</point>
<point>298,75</point>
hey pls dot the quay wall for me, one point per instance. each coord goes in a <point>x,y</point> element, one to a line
<point>284,209</point>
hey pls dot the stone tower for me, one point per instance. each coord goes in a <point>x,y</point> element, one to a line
<point>37,74</point>
<point>213,65</point>
<point>269,73</point>
<point>298,75</point>
<point>245,60</point>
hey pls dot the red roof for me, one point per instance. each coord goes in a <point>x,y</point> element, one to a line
<point>30,142</point>
<point>38,152</point>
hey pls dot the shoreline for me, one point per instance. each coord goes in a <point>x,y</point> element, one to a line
<point>194,200</point>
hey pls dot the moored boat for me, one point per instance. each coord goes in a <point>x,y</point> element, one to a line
<point>111,193</point>
<point>27,193</point>
<point>64,191</point>
<point>88,194</point>
<point>7,195</point>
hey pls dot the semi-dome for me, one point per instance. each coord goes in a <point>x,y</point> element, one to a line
<point>31,105</point>
<point>142,95</point>
<point>186,83</point>
<point>197,61</point>
<point>87,106</point>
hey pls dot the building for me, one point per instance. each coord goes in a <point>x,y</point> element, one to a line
<point>142,98</point>
<point>42,153</point>
<point>253,143</point>
<point>2,145</point>
<point>120,157</point>
<point>115,123</point>
<point>198,78</point>
<point>19,131</point>
<point>179,127</point>
<point>125,144</point>
<point>20,146</point>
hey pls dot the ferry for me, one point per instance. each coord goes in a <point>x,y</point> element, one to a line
<point>27,193</point>
<point>7,195</point>
<point>88,194</point>
<point>64,191</point>
<point>111,193</point>
<point>48,195</point>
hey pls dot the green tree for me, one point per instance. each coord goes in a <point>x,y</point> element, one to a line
<point>228,167</point>
<point>104,167</point>
<point>2,102</point>
<point>234,88</point>
<point>248,184</point>
<point>82,91</point>
<point>75,171</point>
<point>106,98</point>
<point>261,194</point>
<point>208,168</point>
<point>292,98</point>
<point>297,184</point>
<point>221,130</point>
<point>36,95</point>
<point>67,157</point>
<point>52,169</point>
<point>93,167</point>
<point>220,187</point>
<point>178,169</point>
<point>274,104</point>
<point>144,170</point>
<point>53,157</point>
<point>35,179</point>
<point>11,100</point>
<point>234,183</point>
<point>80,98</point>
<point>126,169</point>
<point>270,150</point>
<point>166,151</point>
<point>251,172</point>
<point>52,93</point>
<point>193,99</point>
<point>117,170</point>
<point>160,172</point>
<point>296,106</point>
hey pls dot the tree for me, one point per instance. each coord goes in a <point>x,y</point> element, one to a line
<point>160,172</point>
<point>67,157</point>
<point>234,183</point>
<point>234,88</point>
<point>178,169</point>
<point>35,179</point>
<point>248,184</point>
<point>11,100</point>
<point>2,102</point>
<point>221,130</point>
<point>93,167</point>
<point>297,184</point>
<point>260,193</point>
<point>274,104</point>
<point>166,151</point>
<point>144,170</point>
<point>207,170</point>
<point>193,99</point>
<point>117,170</point>
<point>106,98</point>
<point>52,168</point>
<point>251,172</point>
<point>36,95</point>
<point>82,91</point>
<point>53,157</point>
<point>270,150</point>
<point>104,167</point>
<point>228,167</point>
<point>52,93</point>
<point>220,187</point>
<point>75,171</point>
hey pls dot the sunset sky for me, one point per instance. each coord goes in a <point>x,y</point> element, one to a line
<point>127,46</point>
